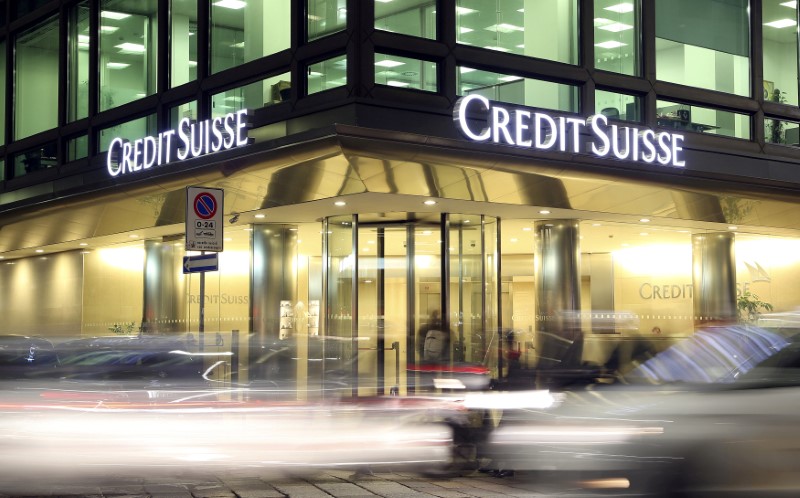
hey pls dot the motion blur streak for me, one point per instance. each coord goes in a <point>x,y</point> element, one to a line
<point>541,399</point>
<point>69,443</point>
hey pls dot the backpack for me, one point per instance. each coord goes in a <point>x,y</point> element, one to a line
<point>436,344</point>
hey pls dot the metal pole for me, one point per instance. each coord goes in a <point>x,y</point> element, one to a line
<point>201,327</point>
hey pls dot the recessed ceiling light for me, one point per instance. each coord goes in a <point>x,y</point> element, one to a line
<point>389,63</point>
<point>464,30</point>
<point>2,257</point>
<point>526,229</point>
<point>340,203</point>
<point>116,65</point>
<point>40,250</point>
<point>610,44</point>
<point>426,232</point>
<point>644,234</point>
<point>497,49</point>
<point>504,28</point>
<point>397,84</point>
<point>462,11</point>
<point>464,70</point>
<point>259,216</point>
<point>117,16</point>
<point>231,4</point>
<point>781,23</point>
<point>430,202</point>
<point>514,240</point>
<point>109,29</point>
<point>616,27</point>
<point>83,244</point>
<point>596,224</point>
<point>791,5</point>
<point>645,220</point>
<point>621,8</point>
<point>544,211</point>
<point>133,236</point>
<point>466,221</point>
<point>510,78</point>
<point>733,227</point>
<point>131,48</point>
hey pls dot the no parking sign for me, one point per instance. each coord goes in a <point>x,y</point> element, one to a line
<point>204,208</point>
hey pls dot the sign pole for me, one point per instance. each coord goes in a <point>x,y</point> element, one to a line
<point>201,327</point>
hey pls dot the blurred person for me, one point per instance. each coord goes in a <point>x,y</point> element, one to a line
<point>433,341</point>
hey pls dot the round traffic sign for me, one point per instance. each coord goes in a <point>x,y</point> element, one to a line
<point>205,205</point>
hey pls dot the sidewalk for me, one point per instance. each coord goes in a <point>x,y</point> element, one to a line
<point>326,484</point>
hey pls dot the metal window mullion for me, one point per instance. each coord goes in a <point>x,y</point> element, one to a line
<point>354,303</point>
<point>444,231</point>
<point>411,342</point>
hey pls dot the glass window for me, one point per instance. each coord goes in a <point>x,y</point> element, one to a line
<point>780,51</point>
<point>35,159</point>
<point>183,42</point>
<point>546,30</point>
<point>709,48</point>
<point>36,83</point>
<point>407,17</point>
<point>78,148</point>
<point>616,36</point>
<point>618,105</point>
<point>253,96</point>
<point>402,72</point>
<point>2,92</point>
<point>245,31</point>
<point>78,62</point>
<point>128,41</point>
<point>130,131</point>
<point>187,110</point>
<point>2,164</point>
<point>517,90</point>
<point>702,119</point>
<point>325,17</point>
<point>327,74</point>
<point>777,131</point>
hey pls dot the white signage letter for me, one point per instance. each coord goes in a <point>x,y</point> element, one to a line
<point>500,120</point>
<point>544,140</point>
<point>460,117</point>
<point>664,146</point>
<point>113,169</point>
<point>241,127</point>
<point>676,139</point>
<point>520,126</point>
<point>648,138</point>
<point>599,133</point>
<point>183,151</point>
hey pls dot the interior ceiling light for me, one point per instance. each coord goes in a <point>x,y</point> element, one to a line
<point>463,11</point>
<point>621,8</point>
<point>131,48</point>
<point>544,211</point>
<point>610,44</point>
<point>116,65</point>
<point>781,23</point>
<point>389,63</point>
<point>733,227</point>
<point>259,216</point>
<point>398,84</point>
<point>40,250</point>
<point>464,70</point>
<point>791,5</point>
<point>117,16</point>
<point>339,203</point>
<point>510,78</point>
<point>108,29</point>
<point>231,4</point>
<point>430,202</point>
<point>645,220</point>
<point>616,27</point>
<point>602,21</point>
<point>498,49</point>
<point>504,28</point>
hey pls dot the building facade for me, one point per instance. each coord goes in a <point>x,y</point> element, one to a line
<point>535,172</point>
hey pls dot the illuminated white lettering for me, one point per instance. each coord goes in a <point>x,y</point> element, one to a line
<point>676,139</point>
<point>137,153</point>
<point>241,127</point>
<point>596,120</point>
<point>149,152</point>
<point>460,117</point>
<point>194,132</point>
<point>183,150</point>
<point>577,124</point>
<point>113,168</point>
<point>520,126</point>
<point>216,143</point>
<point>664,146</point>
<point>544,140</point>
<point>648,136</point>
<point>500,120</point>
<point>230,139</point>
<point>615,139</point>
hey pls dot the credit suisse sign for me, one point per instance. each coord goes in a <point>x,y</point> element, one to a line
<point>192,139</point>
<point>522,127</point>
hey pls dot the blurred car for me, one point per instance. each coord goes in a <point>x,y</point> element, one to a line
<point>24,356</point>
<point>714,415</point>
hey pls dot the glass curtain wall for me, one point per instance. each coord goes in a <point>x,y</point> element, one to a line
<point>245,31</point>
<point>617,37</point>
<point>779,39</point>
<point>128,48</point>
<point>3,92</point>
<point>325,17</point>
<point>407,17</point>
<point>545,30</point>
<point>183,41</point>
<point>35,81</point>
<point>78,62</point>
<point>518,90</point>
<point>402,72</point>
<point>708,49</point>
<point>619,106</point>
<point>331,73</point>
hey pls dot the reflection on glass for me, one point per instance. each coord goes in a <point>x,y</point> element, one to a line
<point>253,96</point>
<point>245,31</point>
<point>131,131</point>
<point>78,62</point>
<point>325,17</point>
<point>35,82</point>
<point>35,159</point>
<point>780,50</point>
<point>702,119</point>
<point>128,40</point>
<point>777,131</point>
<point>618,105</point>
<point>78,148</point>
<point>707,49</point>
<point>183,41</point>
<point>546,30</point>
<point>402,72</point>
<point>407,17</point>
<point>2,169</point>
<point>327,74</point>
<point>518,90</point>
<point>616,36</point>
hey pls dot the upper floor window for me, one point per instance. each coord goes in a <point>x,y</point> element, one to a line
<point>704,44</point>
<point>518,90</point>
<point>407,17</point>
<point>35,81</point>
<point>325,17</point>
<point>242,31</point>
<point>182,41</point>
<point>546,30</point>
<point>78,61</point>
<point>128,48</point>
<point>780,51</point>
<point>616,36</point>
